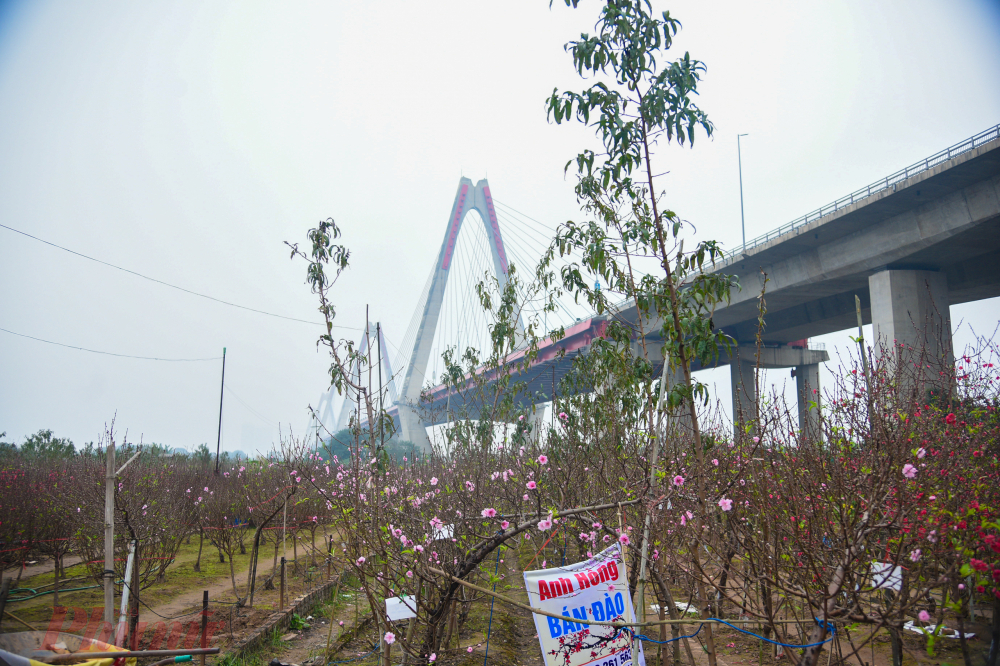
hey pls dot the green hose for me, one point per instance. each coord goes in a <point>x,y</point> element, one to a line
<point>35,594</point>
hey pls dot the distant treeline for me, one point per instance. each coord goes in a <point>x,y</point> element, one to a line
<point>44,444</point>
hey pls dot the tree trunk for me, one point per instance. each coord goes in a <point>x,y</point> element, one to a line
<point>201,542</point>
<point>232,577</point>
<point>269,583</point>
<point>897,646</point>
<point>668,601</point>
<point>961,639</point>
<point>55,595</point>
<point>896,635</point>
<point>730,554</point>
<point>451,625</point>
<point>995,643</point>
<point>252,573</point>
<point>133,602</point>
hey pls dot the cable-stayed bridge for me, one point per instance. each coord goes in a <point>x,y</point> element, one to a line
<point>907,246</point>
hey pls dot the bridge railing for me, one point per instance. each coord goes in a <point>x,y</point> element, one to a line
<point>878,186</point>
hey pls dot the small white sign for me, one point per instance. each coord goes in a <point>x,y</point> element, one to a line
<point>443,532</point>
<point>945,632</point>
<point>400,608</point>
<point>886,577</point>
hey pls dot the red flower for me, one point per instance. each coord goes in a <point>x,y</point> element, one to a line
<point>950,419</point>
<point>978,565</point>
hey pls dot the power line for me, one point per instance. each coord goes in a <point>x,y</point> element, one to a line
<point>95,351</point>
<point>167,284</point>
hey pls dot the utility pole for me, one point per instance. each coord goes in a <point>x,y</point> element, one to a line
<point>222,393</point>
<point>739,161</point>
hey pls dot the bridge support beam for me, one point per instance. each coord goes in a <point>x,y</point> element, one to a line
<point>536,419</point>
<point>742,369</point>
<point>678,420</point>
<point>411,427</point>
<point>910,317</point>
<point>807,390</point>
<point>743,373</point>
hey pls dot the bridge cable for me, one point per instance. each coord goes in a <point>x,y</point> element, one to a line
<point>515,245</point>
<point>514,210</point>
<point>540,237</point>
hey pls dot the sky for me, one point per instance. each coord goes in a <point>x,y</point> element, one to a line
<point>188,141</point>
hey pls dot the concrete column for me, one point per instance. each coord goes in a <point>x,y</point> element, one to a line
<point>743,374</point>
<point>411,428</point>
<point>910,316</point>
<point>679,420</point>
<point>537,420</point>
<point>807,388</point>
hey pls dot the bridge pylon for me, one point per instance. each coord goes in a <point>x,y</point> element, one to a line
<point>468,197</point>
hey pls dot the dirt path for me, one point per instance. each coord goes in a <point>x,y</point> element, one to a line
<point>44,566</point>
<point>189,601</point>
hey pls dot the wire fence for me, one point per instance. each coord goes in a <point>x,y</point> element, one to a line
<point>889,182</point>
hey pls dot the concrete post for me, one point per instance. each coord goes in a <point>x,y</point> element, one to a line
<point>807,388</point>
<point>743,374</point>
<point>679,420</point>
<point>910,316</point>
<point>537,420</point>
<point>412,429</point>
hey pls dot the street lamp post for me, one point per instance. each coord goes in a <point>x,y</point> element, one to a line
<point>739,161</point>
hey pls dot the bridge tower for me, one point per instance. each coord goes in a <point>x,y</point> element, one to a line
<point>469,197</point>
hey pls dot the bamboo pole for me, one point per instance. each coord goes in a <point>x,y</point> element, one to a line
<point>76,656</point>
<point>616,625</point>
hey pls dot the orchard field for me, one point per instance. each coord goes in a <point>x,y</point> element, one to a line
<point>857,542</point>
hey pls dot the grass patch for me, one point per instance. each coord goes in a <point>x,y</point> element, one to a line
<point>181,578</point>
<point>260,655</point>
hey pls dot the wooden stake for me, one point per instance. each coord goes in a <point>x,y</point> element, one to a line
<point>4,591</point>
<point>204,625</point>
<point>72,657</point>
<point>663,639</point>
<point>14,617</point>
<point>134,606</point>
<point>281,605</point>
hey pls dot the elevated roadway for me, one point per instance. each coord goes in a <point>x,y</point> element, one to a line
<point>908,246</point>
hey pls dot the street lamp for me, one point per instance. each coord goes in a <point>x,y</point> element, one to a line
<point>739,161</point>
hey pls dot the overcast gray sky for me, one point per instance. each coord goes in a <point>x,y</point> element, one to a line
<point>188,140</point>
